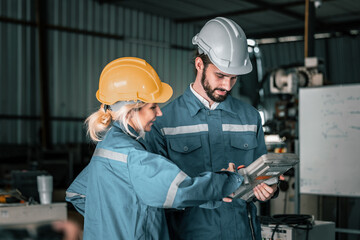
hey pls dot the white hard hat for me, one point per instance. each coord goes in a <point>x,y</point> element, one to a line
<point>224,42</point>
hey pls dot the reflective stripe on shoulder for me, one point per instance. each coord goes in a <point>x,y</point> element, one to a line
<point>238,128</point>
<point>170,197</point>
<point>185,129</point>
<point>71,195</point>
<point>110,154</point>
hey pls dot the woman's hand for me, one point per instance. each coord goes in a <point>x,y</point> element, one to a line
<point>70,229</point>
<point>231,168</point>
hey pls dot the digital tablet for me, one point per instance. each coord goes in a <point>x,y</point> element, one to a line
<point>267,169</point>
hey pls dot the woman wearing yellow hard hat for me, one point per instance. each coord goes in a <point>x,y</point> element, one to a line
<point>124,188</point>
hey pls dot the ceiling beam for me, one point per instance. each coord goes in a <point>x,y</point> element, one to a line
<point>261,7</point>
<point>240,12</point>
<point>342,28</point>
<point>278,8</point>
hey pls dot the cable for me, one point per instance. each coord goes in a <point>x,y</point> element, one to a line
<point>285,201</point>
<point>284,186</point>
<point>297,221</point>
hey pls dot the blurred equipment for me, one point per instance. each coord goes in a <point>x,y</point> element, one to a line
<point>28,214</point>
<point>12,196</point>
<point>43,231</point>
<point>26,183</point>
<point>31,222</point>
<point>267,169</point>
<point>296,227</point>
<point>275,144</point>
<point>289,80</point>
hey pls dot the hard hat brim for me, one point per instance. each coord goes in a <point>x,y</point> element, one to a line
<point>166,93</point>
<point>236,70</point>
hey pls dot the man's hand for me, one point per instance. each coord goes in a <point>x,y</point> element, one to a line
<point>231,168</point>
<point>264,192</point>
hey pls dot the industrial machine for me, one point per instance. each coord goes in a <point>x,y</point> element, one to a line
<point>317,230</point>
<point>289,80</point>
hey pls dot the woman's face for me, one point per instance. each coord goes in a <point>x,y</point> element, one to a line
<point>148,114</point>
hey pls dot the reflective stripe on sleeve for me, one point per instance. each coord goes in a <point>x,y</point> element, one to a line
<point>185,129</point>
<point>100,152</point>
<point>71,195</point>
<point>173,189</point>
<point>238,128</point>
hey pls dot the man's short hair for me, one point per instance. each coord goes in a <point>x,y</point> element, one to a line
<point>204,58</point>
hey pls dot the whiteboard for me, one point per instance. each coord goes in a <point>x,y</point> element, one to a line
<point>329,136</point>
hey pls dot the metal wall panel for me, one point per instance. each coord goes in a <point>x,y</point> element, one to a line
<point>17,74</point>
<point>343,60</point>
<point>82,37</point>
<point>280,54</point>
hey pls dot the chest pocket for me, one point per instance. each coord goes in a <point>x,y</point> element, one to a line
<point>185,145</point>
<point>186,152</point>
<point>242,148</point>
<point>243,141</point>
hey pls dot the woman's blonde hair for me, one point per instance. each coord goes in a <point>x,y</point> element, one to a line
<point>99,122</point>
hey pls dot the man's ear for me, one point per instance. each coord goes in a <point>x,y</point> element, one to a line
<point>199,64</point>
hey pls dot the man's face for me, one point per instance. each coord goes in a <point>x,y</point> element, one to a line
<point>216,83</point>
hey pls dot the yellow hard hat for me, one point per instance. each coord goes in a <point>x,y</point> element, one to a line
<point>131,79</point>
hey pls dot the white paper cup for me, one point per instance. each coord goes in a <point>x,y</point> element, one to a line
<point>45,188</point>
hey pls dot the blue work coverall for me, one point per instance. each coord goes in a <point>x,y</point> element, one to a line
<point>124,188</point>
<point>198,139</point>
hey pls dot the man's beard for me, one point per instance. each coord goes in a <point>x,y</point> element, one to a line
<point>211,92</point>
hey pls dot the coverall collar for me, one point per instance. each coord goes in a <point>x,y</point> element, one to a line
<point>194,104</point>
<point>132,130</point>
<point>203,100</point>
<point>118,125</point>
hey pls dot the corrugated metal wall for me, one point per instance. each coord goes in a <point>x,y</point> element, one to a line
<point>82,36</point>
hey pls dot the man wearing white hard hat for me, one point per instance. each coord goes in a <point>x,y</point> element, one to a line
<point>206,128</point>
